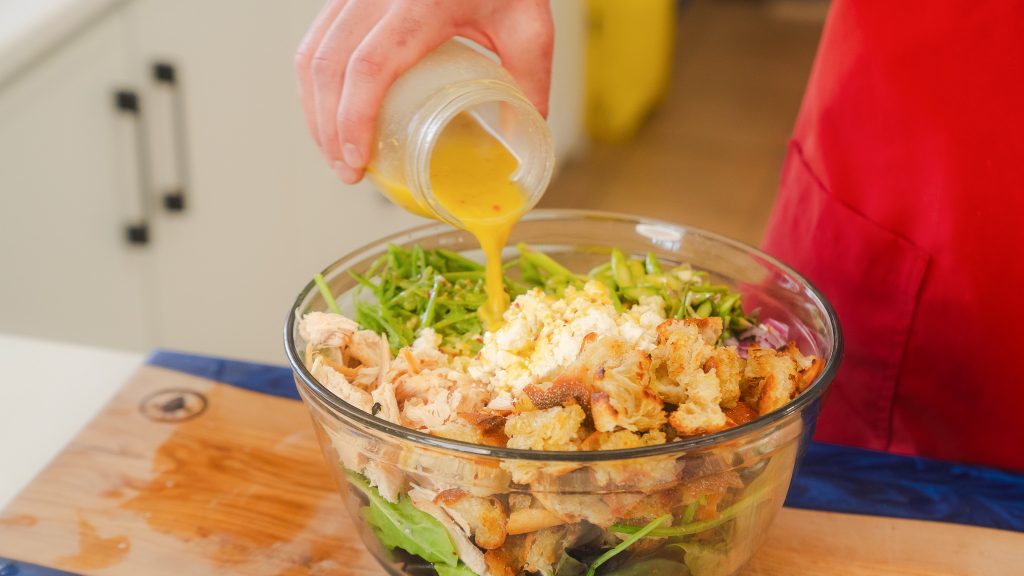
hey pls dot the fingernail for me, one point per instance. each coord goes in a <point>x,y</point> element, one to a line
<point>344,171</point>
<point>352,156</point>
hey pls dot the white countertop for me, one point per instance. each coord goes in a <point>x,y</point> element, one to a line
<point>28,28</point>
<point>48,392</point>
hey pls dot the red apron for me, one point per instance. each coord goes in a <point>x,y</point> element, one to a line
<point>902,199</point>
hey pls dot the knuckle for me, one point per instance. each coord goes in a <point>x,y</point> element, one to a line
<point>324,66</point>
<point>366,66</point>
<point>351,121</point>
<point>301,59</point>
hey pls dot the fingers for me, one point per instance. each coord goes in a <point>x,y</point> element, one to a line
<point>304,59</point>
<point>329,64</point>
<point>525,43</point>
<point>400,40</point>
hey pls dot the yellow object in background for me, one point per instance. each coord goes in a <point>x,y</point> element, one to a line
<point>629,60</point>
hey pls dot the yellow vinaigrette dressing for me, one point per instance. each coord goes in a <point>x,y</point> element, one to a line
<point>471,177</point>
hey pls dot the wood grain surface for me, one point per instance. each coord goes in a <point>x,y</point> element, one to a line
<point>181,475</point>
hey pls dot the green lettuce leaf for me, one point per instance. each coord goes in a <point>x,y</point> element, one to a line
<point>459,570</point>
<point>402,525</point>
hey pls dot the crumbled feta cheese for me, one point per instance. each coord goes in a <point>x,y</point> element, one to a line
<point>543,334</point>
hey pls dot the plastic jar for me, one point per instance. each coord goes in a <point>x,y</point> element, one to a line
<point>455,79</point>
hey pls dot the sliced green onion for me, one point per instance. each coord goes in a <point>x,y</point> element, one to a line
<point>620,269</point>
<point>700,526</point>
<point>640,533</point>
<point>325,292</point>
<point>652,265</point>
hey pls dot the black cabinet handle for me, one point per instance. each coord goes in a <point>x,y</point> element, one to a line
<point>165,76</point>
<point>127,104</point>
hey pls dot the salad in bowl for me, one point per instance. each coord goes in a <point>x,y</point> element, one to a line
<point>640,409</point>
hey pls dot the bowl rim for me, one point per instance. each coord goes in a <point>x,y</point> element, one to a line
<point>749,429</point>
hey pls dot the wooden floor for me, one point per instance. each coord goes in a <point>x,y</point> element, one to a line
<point>710,155</point>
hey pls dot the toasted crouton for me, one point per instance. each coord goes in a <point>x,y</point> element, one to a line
<point>810,366</point>
<point>556,428</point>
<point>612,377</point>
<point>569,386</point>
<point>531,520</point>
<point>702,413</point>
<point>643,475</point>
<point>710,329</point>
<point>728,367</point>
<point>678,357</point>
<point>485,517</point>
<point>543,549</point>
<point>769,379</point>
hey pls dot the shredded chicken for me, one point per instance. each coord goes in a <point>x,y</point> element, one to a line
<point>470,555</point>
<point>340,386</point>
<point>325,330</point>
<point>388,479</point>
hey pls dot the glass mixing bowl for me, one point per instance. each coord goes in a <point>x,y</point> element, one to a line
<point>560,512</point>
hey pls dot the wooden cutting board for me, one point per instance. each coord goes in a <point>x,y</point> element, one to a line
<point>183,475</point>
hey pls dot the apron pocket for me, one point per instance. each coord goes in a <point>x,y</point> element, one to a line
<point>871,276</point>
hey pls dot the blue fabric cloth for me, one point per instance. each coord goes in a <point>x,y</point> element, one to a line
<point>265,378</point>
<point>844,479</point>
<point>12,568</point>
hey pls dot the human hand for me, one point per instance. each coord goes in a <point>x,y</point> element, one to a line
<point>355,49</point>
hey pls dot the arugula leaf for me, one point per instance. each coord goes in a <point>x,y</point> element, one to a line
<point>459,570</point>
<point>402,525</point>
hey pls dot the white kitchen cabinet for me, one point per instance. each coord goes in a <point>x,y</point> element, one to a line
<point>262,210</point>
<point>69,184</point>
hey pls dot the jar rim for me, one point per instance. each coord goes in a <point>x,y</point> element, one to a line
<point>441,108</point>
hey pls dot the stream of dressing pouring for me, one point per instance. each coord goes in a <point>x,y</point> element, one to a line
<point>471,176</point>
